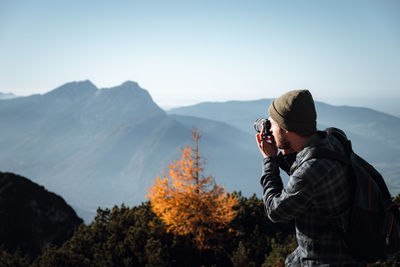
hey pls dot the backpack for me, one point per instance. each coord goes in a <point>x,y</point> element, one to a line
<point>373,232</point>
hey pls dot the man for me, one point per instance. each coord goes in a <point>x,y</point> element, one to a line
<point>317,195</point>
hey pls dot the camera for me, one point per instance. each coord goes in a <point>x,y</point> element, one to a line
<point>259,124</point>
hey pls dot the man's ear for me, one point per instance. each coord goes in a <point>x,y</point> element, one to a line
<point>285,131</point>
<point>288,133</point>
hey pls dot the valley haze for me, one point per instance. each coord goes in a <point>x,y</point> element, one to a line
<point>103,147</point>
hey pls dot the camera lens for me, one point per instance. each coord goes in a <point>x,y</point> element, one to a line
<point>259,123</point>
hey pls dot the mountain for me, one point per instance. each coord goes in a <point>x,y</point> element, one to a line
<point>102,147</point>
<point>51,219</point>
<point>242,114</point>
<point>375,135</point>
<point>7,96</point>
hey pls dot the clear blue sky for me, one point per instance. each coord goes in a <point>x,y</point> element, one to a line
<point>184,52</point>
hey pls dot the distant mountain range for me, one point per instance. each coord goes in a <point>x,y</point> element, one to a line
<point>7,96</point>
<point>101,147</point>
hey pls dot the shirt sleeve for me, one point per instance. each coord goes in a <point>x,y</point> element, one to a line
<point>284,204</point>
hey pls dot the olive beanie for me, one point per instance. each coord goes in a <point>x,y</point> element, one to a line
<point>295,112</point>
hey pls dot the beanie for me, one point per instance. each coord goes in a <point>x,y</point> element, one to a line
<point>295,112</point>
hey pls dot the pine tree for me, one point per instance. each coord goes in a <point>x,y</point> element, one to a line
<point>188,202</point>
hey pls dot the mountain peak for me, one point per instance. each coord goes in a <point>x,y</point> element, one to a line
<point>131,87</point>
<point>130,84</point>
<point>73,89</point>
<point>129,90</point>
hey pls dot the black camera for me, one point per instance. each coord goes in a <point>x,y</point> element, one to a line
<point>259,124</point>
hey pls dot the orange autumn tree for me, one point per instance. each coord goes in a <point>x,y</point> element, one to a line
<point>188,202</point>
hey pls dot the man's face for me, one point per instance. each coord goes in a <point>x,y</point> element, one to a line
<point>280,136</point>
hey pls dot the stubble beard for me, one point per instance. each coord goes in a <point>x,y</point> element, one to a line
<point>284,144</point>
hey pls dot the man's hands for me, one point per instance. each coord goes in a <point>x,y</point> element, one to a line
<point>267,147</point>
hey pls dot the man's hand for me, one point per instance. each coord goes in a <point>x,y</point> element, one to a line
<point>267,149</point>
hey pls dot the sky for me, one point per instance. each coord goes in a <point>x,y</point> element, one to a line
<point>186,52</point>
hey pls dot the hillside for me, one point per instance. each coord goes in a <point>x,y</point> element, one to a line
<point>51,219</point>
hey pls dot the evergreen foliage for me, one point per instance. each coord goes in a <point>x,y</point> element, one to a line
<point>127,237</point>
<point>135,236</point>
<point>16,259</point>
<point>280,247</point>
<point>119,237</point>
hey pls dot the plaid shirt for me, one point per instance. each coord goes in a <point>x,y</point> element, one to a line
<point>317,196</point>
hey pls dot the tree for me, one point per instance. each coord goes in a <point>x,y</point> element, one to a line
<point>240,257</point>
<point>281,248</point>
<point>17,259</point>
<point>120,236</point>
<point>188,202</point>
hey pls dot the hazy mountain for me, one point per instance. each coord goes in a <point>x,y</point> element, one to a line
<point>242,114</point>
<point>375,135</point>
<point>7,96</point>
<point>51,219</point>
<point>386,104</point>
